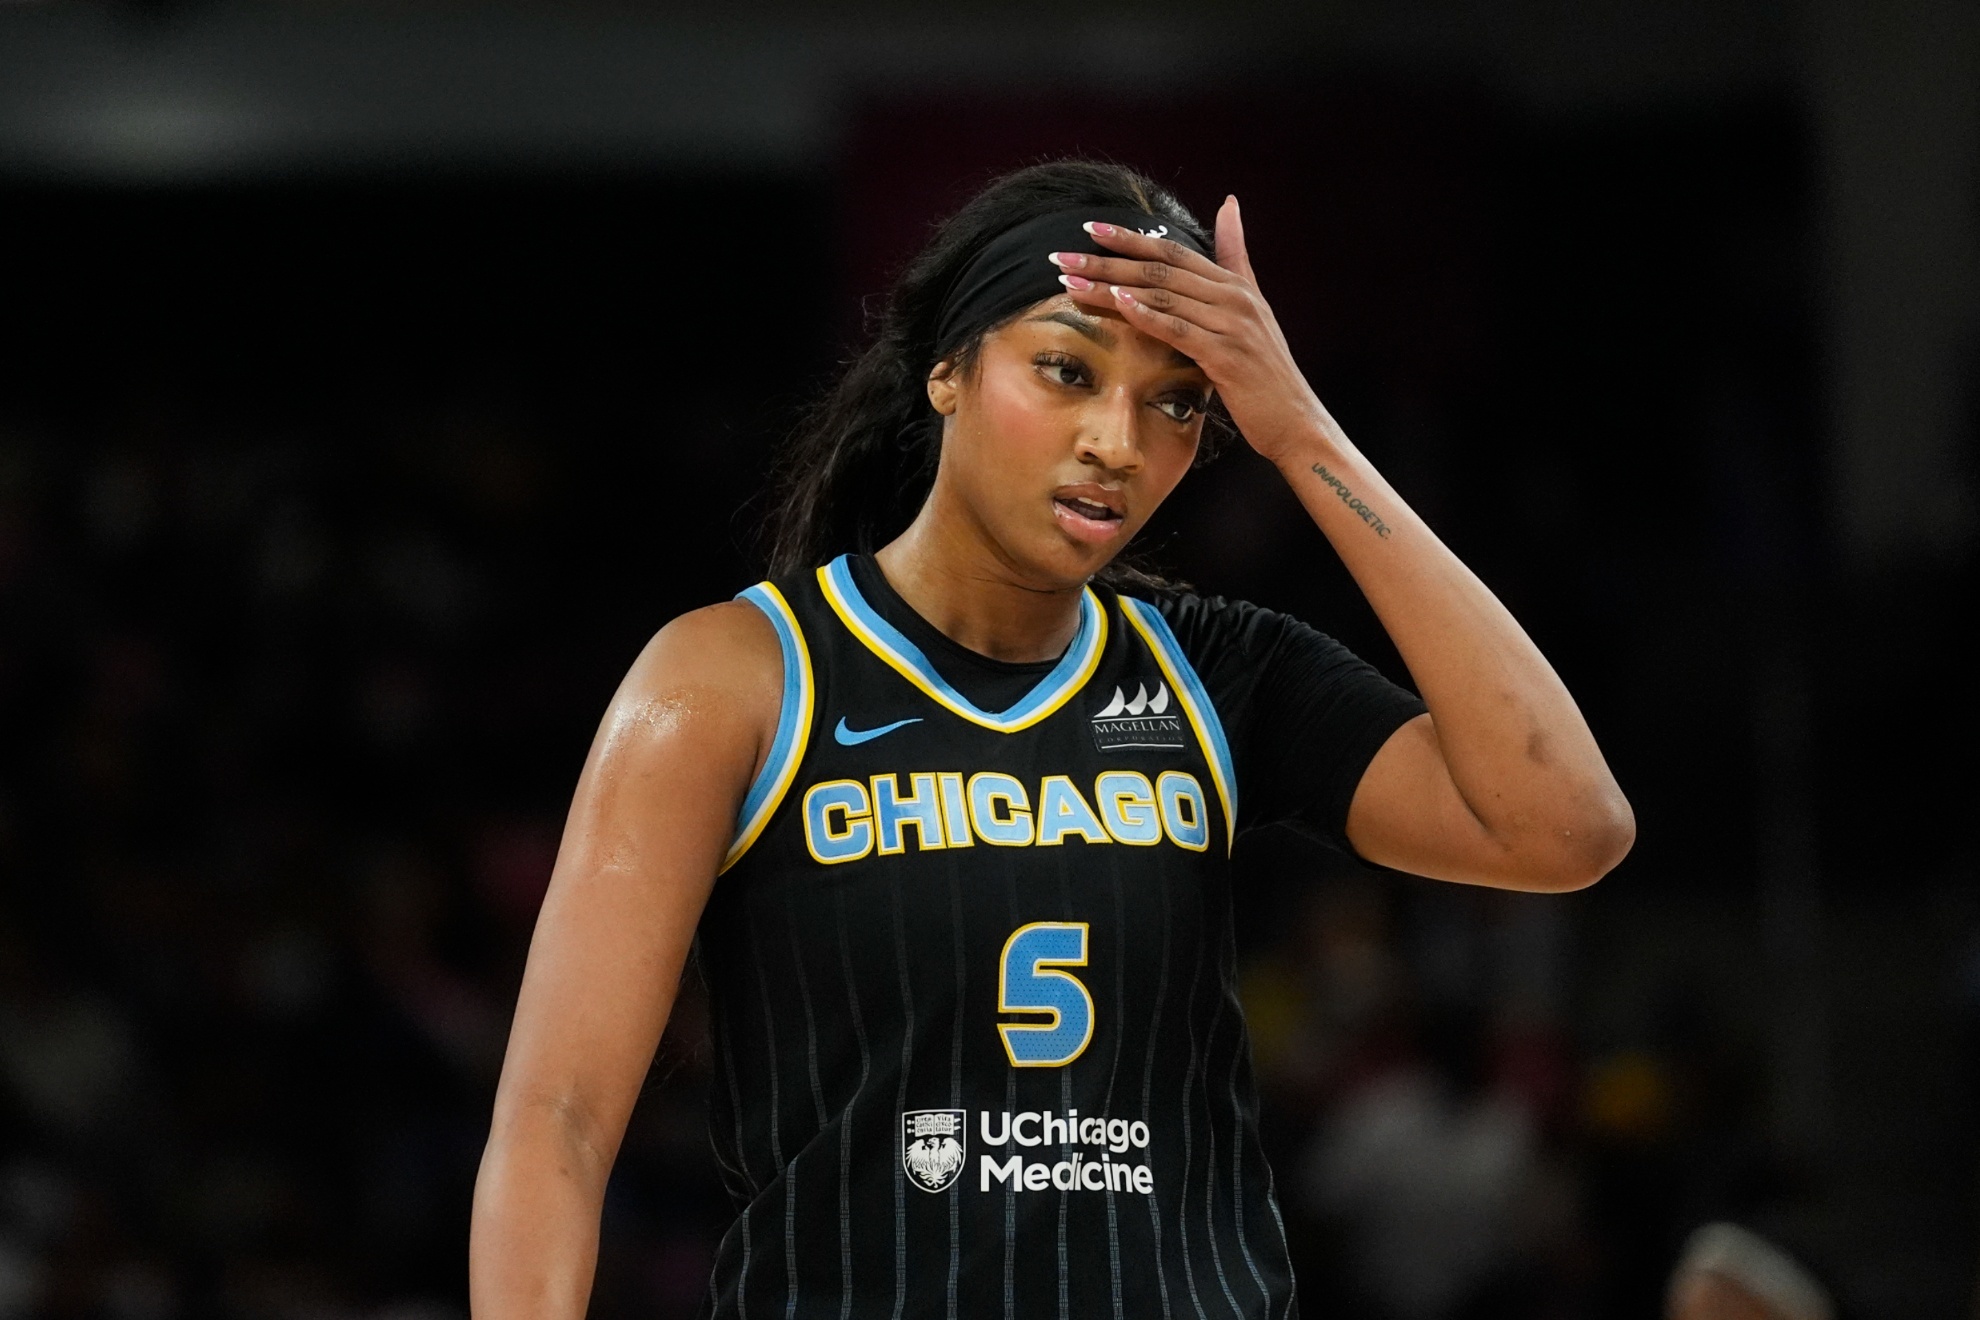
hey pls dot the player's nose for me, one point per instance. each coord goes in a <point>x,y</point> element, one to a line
<point>1108,435</point>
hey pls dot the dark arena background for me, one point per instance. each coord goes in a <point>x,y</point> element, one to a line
<point>378,378</point>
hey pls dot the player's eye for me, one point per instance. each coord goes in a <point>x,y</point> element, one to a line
<point>1061,369</point>
<point>1182,407</point>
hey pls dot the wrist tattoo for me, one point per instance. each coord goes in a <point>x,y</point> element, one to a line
<point>1349,498</point>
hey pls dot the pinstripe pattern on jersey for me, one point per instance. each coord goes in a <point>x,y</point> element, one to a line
<point>793,722</point>
<point>846,1116</point>
<point>1148,1091</point>
<point>1011,921</point>
<point>817,1089</point>
<point>1196,703</point>
<point>1082,657</point>
<point>900,1100</point>
<point>1210,1164</point>
<point>843,999</point>
<point>786,1171</point>
<point>1237,1183</point>
<point>1113,1076</point>
<point>1189,1140</point>
<point>1065,1105</point>
<point>956,1036</point>
<point>1285,1249</point>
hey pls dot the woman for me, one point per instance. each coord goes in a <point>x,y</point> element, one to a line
<point>969,956</point>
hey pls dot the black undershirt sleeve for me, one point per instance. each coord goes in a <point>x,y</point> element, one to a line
<point>1303,714</point>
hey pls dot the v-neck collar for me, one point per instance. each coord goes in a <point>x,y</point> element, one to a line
<point>1051,692</point>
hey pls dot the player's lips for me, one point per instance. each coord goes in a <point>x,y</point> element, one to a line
<point>1090,513</point>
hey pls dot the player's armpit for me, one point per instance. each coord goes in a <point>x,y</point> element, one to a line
<point>1409,814</point>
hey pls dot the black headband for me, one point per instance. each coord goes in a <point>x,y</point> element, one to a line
<point>1012,271</point>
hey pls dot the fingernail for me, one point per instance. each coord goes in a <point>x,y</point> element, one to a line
<point>1098,228</point>
<point>1079,282</point>
<point>1120,293</point>
<point>1068,260</point>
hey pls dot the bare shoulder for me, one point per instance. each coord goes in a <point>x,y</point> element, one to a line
<point>712,673</point>
<point>727,643</point>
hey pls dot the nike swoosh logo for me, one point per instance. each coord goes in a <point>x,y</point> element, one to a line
<point>854,737</point>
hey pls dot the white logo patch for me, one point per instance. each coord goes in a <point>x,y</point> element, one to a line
<point>933,1146</point>
<point>1138,721</point>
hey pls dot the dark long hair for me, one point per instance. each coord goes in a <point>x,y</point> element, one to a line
<point>859,464</point>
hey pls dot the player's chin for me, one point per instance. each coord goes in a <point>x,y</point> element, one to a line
<point>1076,558</point>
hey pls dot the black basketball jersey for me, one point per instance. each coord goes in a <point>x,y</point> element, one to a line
<point>978,1050</point>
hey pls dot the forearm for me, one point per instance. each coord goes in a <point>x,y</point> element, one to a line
<point>1503,783</point>
<point>1515,745</point>
<point>533,1246</point>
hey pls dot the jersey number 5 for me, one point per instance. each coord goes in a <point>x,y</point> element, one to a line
<point>1028,981</point>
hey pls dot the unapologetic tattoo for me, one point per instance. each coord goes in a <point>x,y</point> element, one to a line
<point>1353,501</point>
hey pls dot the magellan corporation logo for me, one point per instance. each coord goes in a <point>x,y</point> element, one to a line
<point>932,1146</point>
<point>1140,721</point>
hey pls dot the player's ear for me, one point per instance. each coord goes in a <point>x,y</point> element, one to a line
<point>943,385</point>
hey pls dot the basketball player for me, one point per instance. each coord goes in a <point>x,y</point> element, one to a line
<point>946,808</point>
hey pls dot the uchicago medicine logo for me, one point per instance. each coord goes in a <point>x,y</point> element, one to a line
<point>1095,1154</point>
<point>933,1146</point>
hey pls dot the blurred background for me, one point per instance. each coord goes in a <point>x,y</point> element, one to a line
<point>377,378</point>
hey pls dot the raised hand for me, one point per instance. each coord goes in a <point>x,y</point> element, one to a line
<point>1211,311</point>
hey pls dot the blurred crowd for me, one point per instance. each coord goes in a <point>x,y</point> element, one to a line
<point>271,866</point>
<point>1455,1142</point>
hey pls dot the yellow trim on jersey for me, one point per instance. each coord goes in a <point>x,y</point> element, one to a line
<point>1184,691</point>
<point>1096,646</point>
<point>793,728</point>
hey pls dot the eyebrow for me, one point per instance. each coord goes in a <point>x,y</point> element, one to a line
<point>1090,326</point>
<point>1096,330</point>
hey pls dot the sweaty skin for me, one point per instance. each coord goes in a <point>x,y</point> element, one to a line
<point>1061,437</point>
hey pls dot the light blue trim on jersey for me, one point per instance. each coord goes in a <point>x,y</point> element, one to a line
<point>1154,629</point>
<point>888,642</point>
<point>773,781</point>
